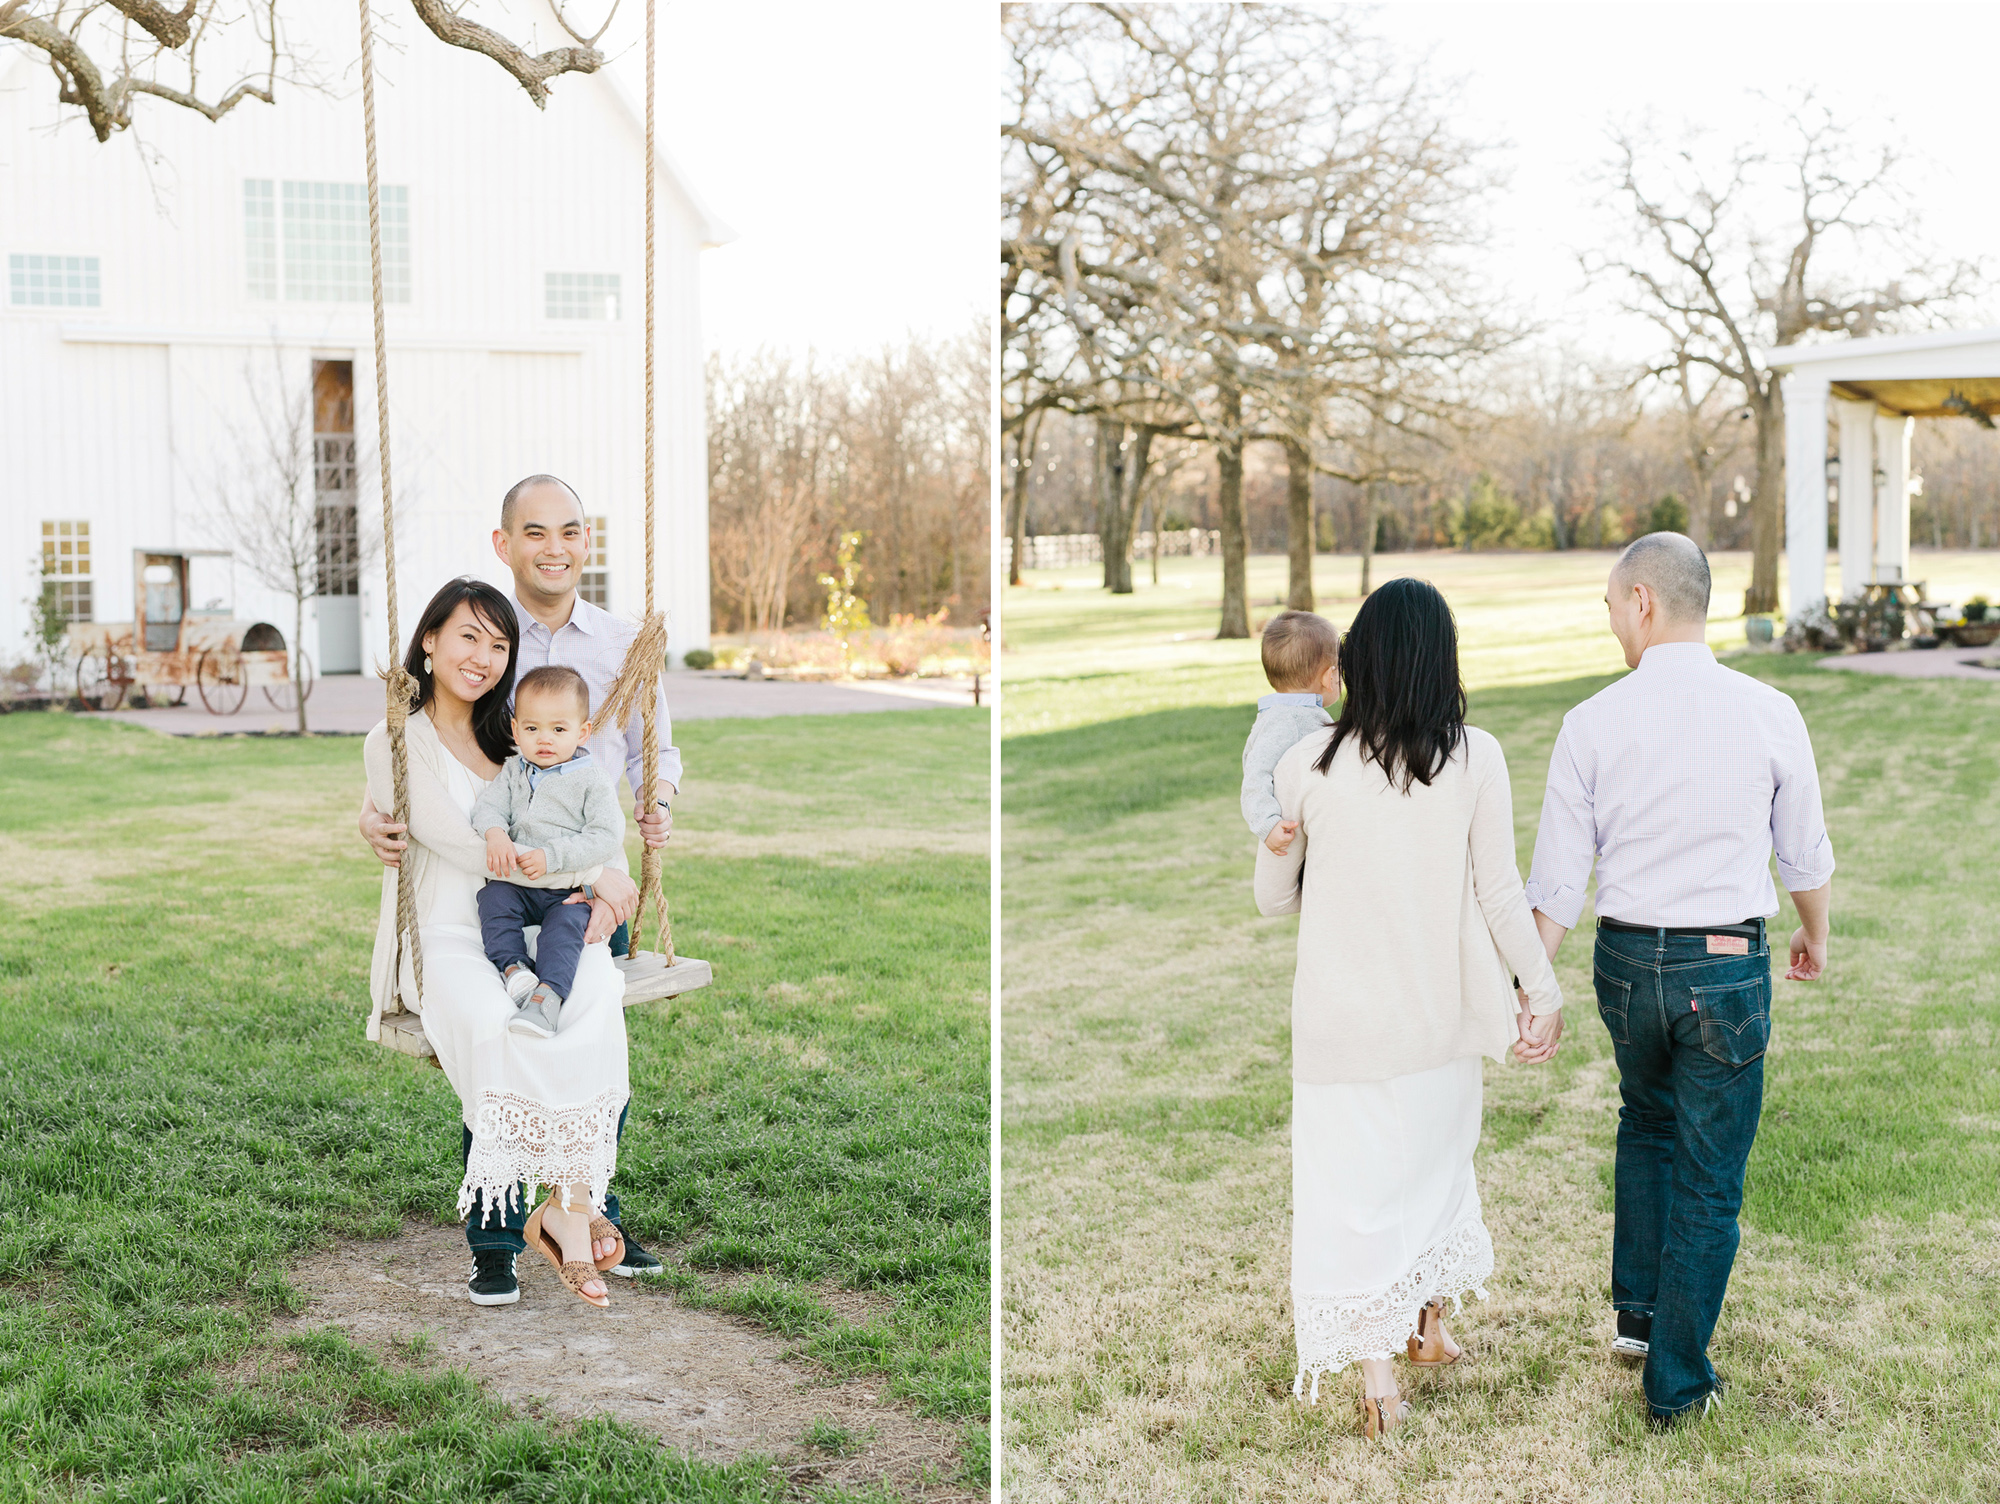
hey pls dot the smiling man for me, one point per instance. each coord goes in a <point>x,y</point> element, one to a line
<point>544,539</point>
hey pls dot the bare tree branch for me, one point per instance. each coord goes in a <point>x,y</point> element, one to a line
<point>530,71</point>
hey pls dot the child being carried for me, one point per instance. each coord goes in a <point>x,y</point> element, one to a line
<point>1302,662</point>
<point>551,810</point>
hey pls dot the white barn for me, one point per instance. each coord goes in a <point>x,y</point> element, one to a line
<point>158,305</point>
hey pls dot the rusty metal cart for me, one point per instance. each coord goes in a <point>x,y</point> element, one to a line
<point>181,641</point>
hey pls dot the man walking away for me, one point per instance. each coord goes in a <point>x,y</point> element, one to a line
<point>1679,781</point>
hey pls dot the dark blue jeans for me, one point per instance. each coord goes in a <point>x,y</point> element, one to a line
<point>505,911</point>
<point>1689,1029</point>
<point>503,1229</point>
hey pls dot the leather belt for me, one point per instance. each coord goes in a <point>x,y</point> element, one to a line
<point>1752,929</point>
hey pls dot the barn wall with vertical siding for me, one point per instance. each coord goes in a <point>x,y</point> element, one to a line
<point>130,414</point>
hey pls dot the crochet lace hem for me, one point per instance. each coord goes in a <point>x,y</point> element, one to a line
<point>518,1142</point>
<point>1335,1330</point>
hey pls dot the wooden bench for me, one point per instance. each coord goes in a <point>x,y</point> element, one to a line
<point>648,981</point>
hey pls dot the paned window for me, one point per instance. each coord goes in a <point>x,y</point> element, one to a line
<point>66,568</point>
<point>308,242</point>
<point>582,295</point>
<point>595,586</point>
<point>53,281</point>
<point>337,521</point>
<point>260,237</point>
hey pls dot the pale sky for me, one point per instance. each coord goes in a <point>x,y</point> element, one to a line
<point>1548,77</point>
<point>852,147</point>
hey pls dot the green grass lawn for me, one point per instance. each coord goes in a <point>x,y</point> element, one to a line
<point>187,1104</point>
<point>1146,1315</point>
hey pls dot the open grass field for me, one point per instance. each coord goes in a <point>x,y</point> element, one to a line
<point>187,1106</point>
<point>1146,1315</point>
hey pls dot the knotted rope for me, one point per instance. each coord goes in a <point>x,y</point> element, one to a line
<point>652,639</point>
<point>402,687</point>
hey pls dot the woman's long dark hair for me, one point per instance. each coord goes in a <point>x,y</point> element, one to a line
<point>1404,702</point>
<point>491,726</point>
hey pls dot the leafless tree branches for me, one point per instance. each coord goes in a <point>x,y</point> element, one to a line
<point>1220,222</point>
<point>105,54</point>
<point>1722,275</point>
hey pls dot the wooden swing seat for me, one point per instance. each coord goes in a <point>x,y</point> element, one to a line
<point>404,1032</point>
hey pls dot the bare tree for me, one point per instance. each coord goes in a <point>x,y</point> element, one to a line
<point>265,500</point>
<point>107,54</point>
<point>1231,207</point>
<point>1722,281</point>
<point>773,447</point>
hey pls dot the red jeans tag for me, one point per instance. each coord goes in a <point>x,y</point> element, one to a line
<point>1728,945</point>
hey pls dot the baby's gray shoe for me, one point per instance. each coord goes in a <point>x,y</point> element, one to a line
<point>541,1014</point>
<point>520,982</point>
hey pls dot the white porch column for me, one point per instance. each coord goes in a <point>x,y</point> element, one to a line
<point>1805,490</point>
<point>1892,505</point>
<point>1857,494</point>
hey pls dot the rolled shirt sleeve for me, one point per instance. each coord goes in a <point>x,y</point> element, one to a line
<point>1566,842</point>
<point>1798,822</point>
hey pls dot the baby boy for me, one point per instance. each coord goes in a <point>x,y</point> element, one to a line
<point>1302,663</point>
<point>551,810</point>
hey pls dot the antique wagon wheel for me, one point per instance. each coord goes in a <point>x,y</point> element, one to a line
<point>220,682</point>
<point>281,696</point>
<point>98,684</point>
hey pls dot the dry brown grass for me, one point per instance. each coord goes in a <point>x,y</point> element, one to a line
<point>1147,1323</point>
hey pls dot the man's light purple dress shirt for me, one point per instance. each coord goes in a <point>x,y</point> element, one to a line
<point>1679,782</point>
<point>593,642</point>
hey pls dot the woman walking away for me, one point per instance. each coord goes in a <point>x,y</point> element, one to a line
<point>1412,915</point>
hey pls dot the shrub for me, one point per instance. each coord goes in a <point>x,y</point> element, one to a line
<point>1668,515</point>
<point>698,658</point>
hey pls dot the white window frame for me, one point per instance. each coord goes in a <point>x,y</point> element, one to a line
<point>577,290</point>
<point>96,270</point>
<point>594,585</point>
<point>290,257</point>
<point>72,580</point>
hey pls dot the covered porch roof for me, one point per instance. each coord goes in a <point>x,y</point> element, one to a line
<point>1875,387</point>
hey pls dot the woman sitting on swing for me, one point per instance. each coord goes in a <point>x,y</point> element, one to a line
<point>539,1112</point>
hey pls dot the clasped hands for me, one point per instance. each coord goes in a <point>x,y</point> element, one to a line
<point>1539,1035</point>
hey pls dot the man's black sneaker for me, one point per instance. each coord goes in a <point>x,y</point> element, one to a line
<point>493,1282</point>
<point>637,1261</point>
<point>1635,1335</point>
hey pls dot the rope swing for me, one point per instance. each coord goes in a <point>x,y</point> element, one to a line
<point>638,682</point>
<point>401,686</point>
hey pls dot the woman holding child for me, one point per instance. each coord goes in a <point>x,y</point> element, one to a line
<point>1412,914</point>
<point>538,1061</point>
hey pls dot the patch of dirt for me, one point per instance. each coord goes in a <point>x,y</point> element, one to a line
<point>706,1383</point>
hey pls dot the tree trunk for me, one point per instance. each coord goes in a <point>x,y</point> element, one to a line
<point>1767,507</point>
<point>1229,503</point>
<point>1110,493</point>
<point>1017,518</point>
<point>299,657</point>
<point>1132,483</point>
<point>1299,525</point>
<point>1371,502</point>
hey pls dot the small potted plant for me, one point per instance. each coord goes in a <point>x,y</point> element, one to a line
<point>1975,608</point>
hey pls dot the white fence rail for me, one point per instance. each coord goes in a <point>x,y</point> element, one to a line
<point>1063,550</point>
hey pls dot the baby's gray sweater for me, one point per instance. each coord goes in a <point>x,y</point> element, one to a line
<point>1283,721</point>
<point>572,817</point>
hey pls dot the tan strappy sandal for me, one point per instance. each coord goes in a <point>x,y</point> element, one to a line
<point>574,1273</point>
<point>1426,1348</point>
<point>1380,1416</point>
<point>602,1227</point>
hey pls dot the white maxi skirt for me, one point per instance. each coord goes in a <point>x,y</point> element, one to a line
<point>1385,1213</point>
<point>542,1111</point>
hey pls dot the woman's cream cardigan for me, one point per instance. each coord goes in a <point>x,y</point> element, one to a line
<point>1411,913</point>
<point>441,835</point>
